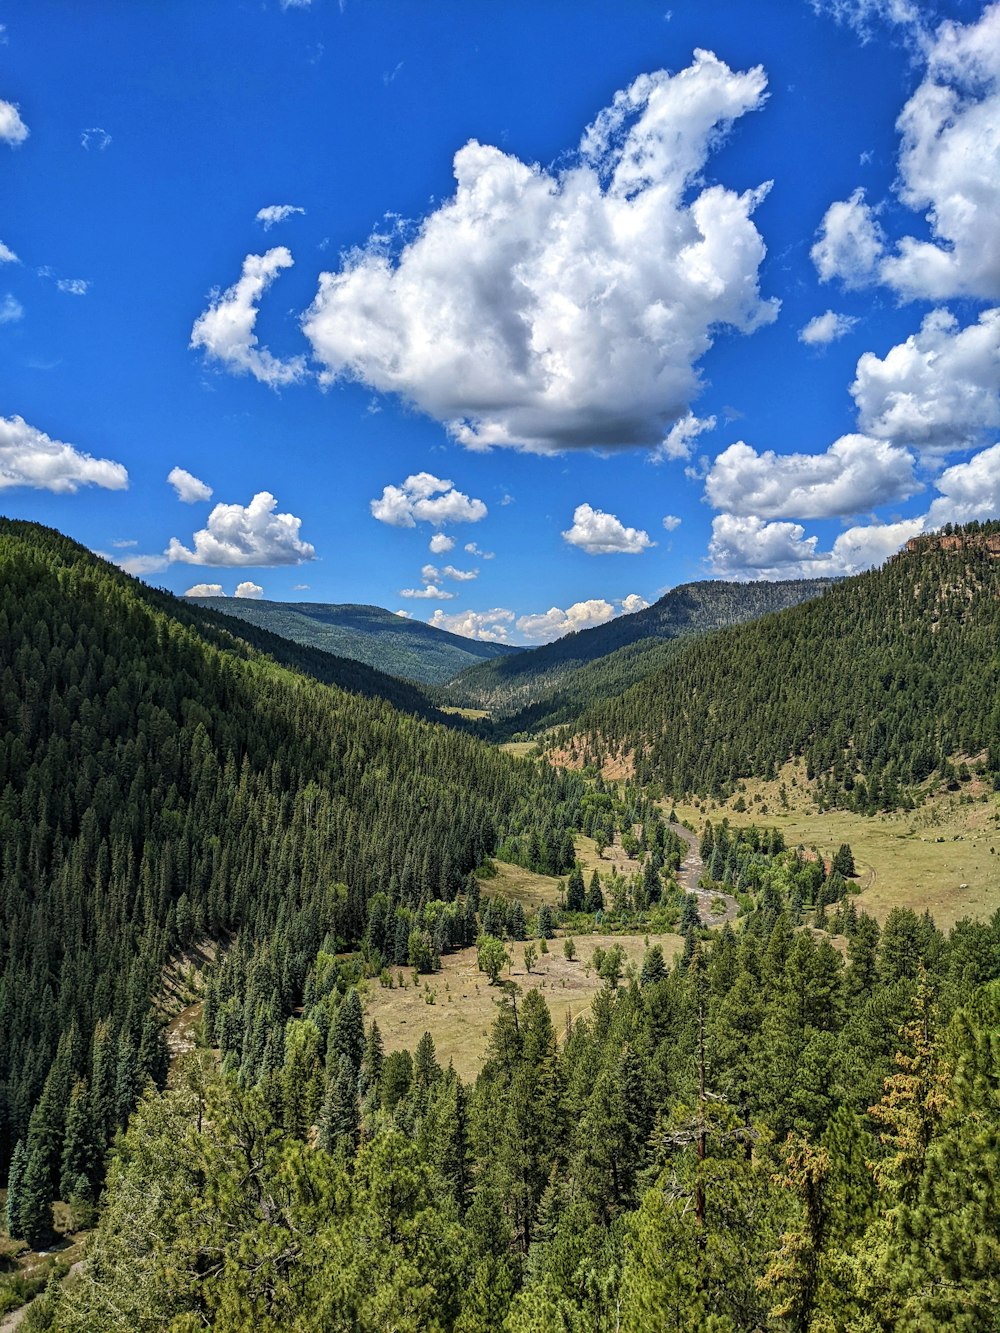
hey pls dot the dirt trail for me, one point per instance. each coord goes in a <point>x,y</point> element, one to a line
<point>691,871</point>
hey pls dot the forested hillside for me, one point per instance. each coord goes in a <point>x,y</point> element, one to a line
<point>887,678</point>
<point>395,644</point>
<point>159,784</point>
<point>546,684</point>
<point>760,1138</point>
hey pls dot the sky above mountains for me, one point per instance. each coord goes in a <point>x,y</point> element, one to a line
<point>508,318</point>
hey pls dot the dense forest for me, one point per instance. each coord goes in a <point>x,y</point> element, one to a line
<point>764,1136</point>
<point>792,1125</point>
<point>161,782</point>
<point>885,679</point>
<point>551,676</point>
<point>392,643</point>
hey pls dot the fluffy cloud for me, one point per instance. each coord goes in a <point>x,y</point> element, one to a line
<point>856,473</point>
<point>491,626</point>
<point>205,590</point>
<point>680,438</point>
<point>28,457</point>
<point>599,533</point>
<point>826,328</point>
<point>12,128</point>
<point>246,535</point>
<point>188,487</point>
<point>949,135</point>
<point>632,603</point>
<point>472,549</point>
<point>11,310</point>
<point>424,498</point>
<point>431,574</point>
<point>948,164</point>
<point>73,286</point>
<point>671,522</point>
<point>554,623</point>
<point>750,548</point>
<point>225,330</point>
<point>440,543</point>
<point>253,591</point>
<point>7,255</point>
<point>938,390</point>
<point>275,213</point>
<point>430,592</point>
<point>968,490</point>
<point>557,309</point>
<point>850,242</point>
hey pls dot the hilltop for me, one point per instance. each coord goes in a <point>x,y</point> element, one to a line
<point>553,683</point>
<point>889,677</point>
<point>391,643</point>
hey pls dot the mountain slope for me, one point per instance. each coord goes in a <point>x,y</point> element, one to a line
<point>876,685</point>
<point>347,673</point>
<point>391,643</point>
<point>544,685</point>
<point>161,782</point>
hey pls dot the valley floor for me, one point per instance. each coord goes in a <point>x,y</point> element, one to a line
<point>943,857</point>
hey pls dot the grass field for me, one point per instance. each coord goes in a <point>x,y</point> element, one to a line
<point>943,857</point>
<point>457,1005</point>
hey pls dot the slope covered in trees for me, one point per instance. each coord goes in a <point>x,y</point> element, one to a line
<point>160,783</point>
<point>543,685</point>
<point>887,678</point>
<point>394,644</point>
<point>762,1137</point>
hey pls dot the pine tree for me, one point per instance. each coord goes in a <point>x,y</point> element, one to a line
<point>15,1188</point>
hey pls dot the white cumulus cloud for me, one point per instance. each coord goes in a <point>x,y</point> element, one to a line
<point>205,590</point>
<point>968,490</point>
<point>73,286</point>
<point>671,522</point>
<point>250,534</point>
<point>424,498</point>
<point>29,457</point>
<point>750,548</point>
<point>948,173</point>
<point>938,390</point>
<point>253,591</point>
<point>632,603</point>
<point>7,255</point>
<point>826,328</point>
<point>441,542</point>
<point>554,623</point>
<point>225,331</point>
<point>850,242</point>
<point>11,310</point>
<point>599,533</point>
<point>472,549</point>
<point>188,487</point>
<point>491,626</point>
<point>12,128</point>
<point>856,473</point>
<point>430,592</point>
<point>275,213</point>
<point>553,309</point>
<point>680,438</point>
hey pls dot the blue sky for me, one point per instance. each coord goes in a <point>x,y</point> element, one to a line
<point>587,267</point>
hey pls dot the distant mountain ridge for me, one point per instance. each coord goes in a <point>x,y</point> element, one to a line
<point>391,643</point>
<point>549,684</point>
